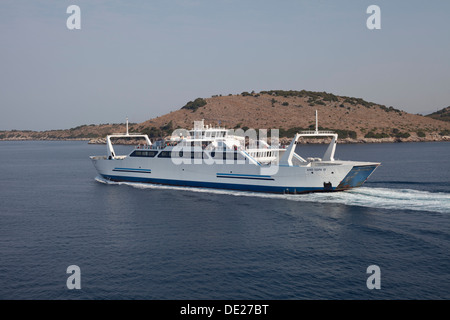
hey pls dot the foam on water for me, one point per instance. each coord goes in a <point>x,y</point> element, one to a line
<point>385,198</point>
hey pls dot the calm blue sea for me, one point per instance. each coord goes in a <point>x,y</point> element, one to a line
<point>135,241</point>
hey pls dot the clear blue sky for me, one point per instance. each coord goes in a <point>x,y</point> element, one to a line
<point>142,59</point>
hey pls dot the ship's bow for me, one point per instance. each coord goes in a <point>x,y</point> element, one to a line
<point>357,176</point>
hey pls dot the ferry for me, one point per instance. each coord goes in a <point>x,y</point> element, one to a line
<point>215,157</point>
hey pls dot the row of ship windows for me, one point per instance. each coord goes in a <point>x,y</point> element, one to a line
<point>189,154</point>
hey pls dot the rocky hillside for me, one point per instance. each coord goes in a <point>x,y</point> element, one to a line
<point>354,119</point>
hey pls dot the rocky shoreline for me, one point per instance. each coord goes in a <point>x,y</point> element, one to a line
<point>436,138</point>
<point>283,141</point>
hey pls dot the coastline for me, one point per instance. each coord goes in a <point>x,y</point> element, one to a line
<point>283,141</point>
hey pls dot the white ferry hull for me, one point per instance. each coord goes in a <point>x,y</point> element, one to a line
<point>322,177</point>
<point>213,158</point>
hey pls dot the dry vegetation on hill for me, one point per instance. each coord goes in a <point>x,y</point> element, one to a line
<point>354,119</point>
<point>290,111</point>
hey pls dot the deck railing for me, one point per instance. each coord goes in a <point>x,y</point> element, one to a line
<point>315,132</point>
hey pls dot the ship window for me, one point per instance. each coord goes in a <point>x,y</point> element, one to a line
<point>164,154</point>
<point>143,153</point>
<point>136,154</point>
<point>151,153</point>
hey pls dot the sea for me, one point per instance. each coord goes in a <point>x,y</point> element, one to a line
<point>387,240</point>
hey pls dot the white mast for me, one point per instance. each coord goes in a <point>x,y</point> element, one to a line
<point>127,127</point>
<point>317,123</point>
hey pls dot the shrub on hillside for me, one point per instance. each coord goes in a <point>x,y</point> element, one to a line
<point>374,135</point>
<point>194,105</point>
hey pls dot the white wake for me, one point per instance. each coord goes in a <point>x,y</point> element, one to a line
<point>385,198</point>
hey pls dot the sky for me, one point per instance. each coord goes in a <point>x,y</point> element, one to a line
<point>142,59</point>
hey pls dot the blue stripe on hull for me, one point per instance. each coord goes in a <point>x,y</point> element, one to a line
<point>242,175</point>
<point>132,170</point>
<point>217,185</point>
<point>248,178</point>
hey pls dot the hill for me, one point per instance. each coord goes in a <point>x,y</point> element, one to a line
<point>443,114</point>
<point>354,119</point>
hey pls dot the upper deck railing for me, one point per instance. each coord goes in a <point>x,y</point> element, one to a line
<point>317,132</point>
